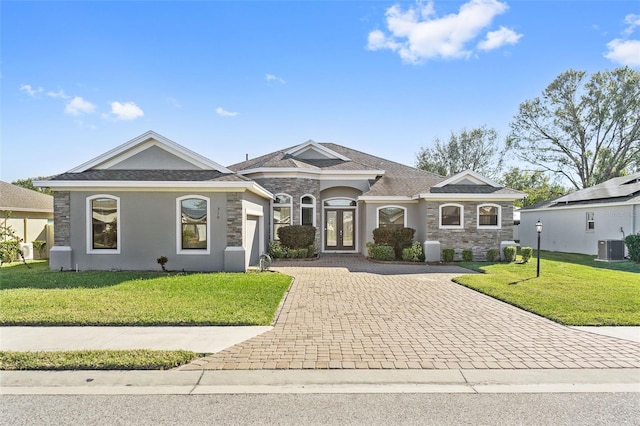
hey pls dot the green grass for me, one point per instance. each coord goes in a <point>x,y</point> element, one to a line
<point>36,296</point>
<point>95,360</point>
<point>572,289</point>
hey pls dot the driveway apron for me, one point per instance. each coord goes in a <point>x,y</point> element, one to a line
<point>345,312</point>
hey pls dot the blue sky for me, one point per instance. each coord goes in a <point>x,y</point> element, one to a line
<point>227,79</point>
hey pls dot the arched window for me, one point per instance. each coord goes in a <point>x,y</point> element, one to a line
<point>281,209</point>
<point>103,224</point>
<point>489,216</point>
<point>392,217</point>
<point>193,227</point>
<point>452,216</point>
<point>308,210</point>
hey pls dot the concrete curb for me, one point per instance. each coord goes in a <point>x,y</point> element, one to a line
<point>315,381</point>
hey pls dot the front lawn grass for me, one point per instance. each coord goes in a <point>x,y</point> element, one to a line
<point>36,296</point>
<point>572,289</point>
<point>95,360</point>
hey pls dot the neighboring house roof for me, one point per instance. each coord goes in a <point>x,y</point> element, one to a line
<point>624,189</point>
<point>16,198</point>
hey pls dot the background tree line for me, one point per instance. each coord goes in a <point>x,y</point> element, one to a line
<point>582,131</point>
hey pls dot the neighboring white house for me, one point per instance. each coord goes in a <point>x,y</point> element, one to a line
<point>576,222</point>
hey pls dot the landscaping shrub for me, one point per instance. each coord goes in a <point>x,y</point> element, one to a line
<point>398,238</point>
<point>467,255</point>
<point>297,236</point>
<point>633,245</point>
<point>276,250</point>
<point>447,255</point>
<point>413,253</point>
<point>10,245</point>
<point>380,252</point>
<point>526,253</point>
<point>510,253</point>
<point>491,255</point>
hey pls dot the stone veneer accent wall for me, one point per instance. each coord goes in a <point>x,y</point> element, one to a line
<point>61,215</point>
<point>234,219</point>
<point>296,188</point>
<point>478,240</point>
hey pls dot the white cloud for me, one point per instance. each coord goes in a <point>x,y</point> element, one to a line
<point>126,111</point>
<point>30,90</point>
<point>224,113</point>
<point>78,106</point>
<point>499,38</point>
<point>59,94</point>
<point>418,33</point>
<point>632,22</point>
<point>173,101</point>
<point>624,52</point>
<point>271,77</point>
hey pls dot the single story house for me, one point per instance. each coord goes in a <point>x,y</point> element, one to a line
<point>29,214</point>
<point>152,197</point>
<point>576,222</point>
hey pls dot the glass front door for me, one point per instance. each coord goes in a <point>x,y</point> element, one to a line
<point>339,229</point>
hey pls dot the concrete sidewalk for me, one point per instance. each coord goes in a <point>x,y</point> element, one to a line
<point>203,340</point>
<point>317,381</point>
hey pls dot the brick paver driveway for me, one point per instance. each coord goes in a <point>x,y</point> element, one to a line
<point>347,312</point>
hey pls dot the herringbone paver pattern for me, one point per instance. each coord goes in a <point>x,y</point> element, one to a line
<point>346,312</point>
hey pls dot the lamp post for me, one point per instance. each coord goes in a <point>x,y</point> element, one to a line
<point>539,231</point>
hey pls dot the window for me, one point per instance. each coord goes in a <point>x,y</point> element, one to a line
<point>103,224</point>
<point>340,202</point>
<point>193,225</point>
<point>451,216</point>
<point>281,213</point>
<point>591,224</point>
<point>489,216</point>
<point>392,217</point>
<point>308,210</point>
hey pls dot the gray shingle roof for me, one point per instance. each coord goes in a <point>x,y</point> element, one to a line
<point>151,175</point>
<point>16,198</point>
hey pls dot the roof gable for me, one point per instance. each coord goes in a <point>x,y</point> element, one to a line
<point>467,177</point>
<point>146,149</point>
<point>311,150</point>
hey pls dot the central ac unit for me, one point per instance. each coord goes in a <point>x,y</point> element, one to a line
<point>611,250</point>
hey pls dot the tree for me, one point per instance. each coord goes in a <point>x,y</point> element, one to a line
<point>477,150</point>
<point>586,131</point>
<point>28,184</point>
<point>536,184</point>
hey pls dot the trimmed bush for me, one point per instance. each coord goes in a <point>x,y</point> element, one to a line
<point>447,255</point>
<point>276,250</point>
<point>413,253</point>
<point>633,245</point>
<point>380,252</point>
<point>510,253</point>
<point>467,255</point>
<point>297,236</point>
<point>491,255</point>
<point>398,238</point>
<point>526,253</point>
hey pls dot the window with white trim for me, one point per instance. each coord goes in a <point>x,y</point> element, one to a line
<point>103,224</point>
<point>392,217</point>
<point>308,210</point>
<point>281,213</point>
<point>193,227</point>
<point>489,216</point>
<point>591,222</point>
<point>452,216</point>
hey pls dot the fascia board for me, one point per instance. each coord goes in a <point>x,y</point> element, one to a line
<point>156,185</point>
<point>292,172</point>
<point>390,199</point>
<point>25,209</point>
<point>470,197</point>
<point>629,203</point>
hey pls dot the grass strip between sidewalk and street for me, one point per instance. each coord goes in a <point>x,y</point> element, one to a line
<point>573,289</point>
<point>95,360</point>
<point>36,296</point>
